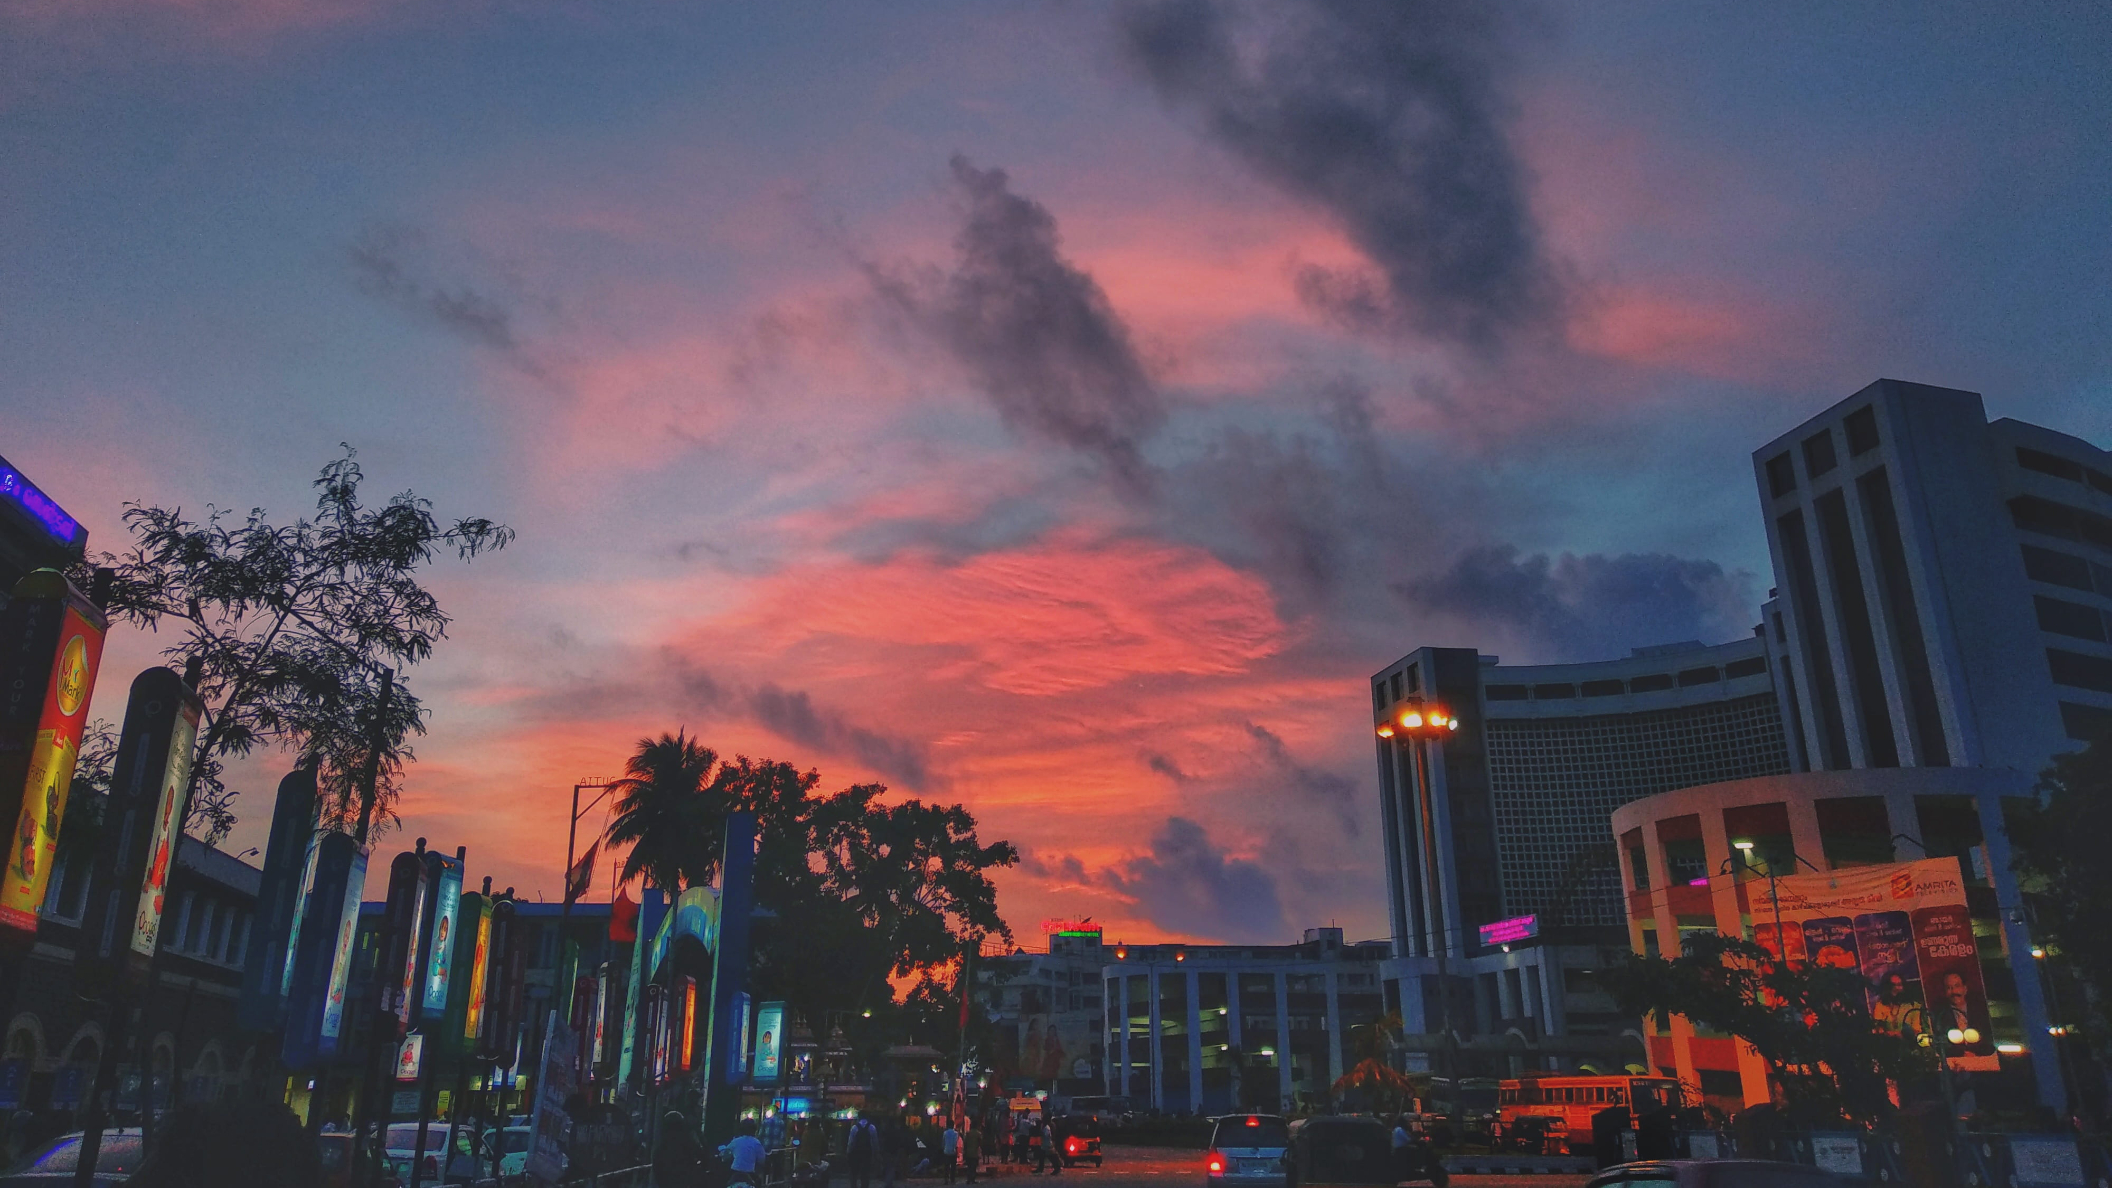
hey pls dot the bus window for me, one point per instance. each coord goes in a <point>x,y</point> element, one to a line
<point>1617,1096</point>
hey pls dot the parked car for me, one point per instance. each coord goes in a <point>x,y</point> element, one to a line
<point>1247,1149</point>
<point>1078,1138</point>
<point>1534,1134</point>
<point>402,1148</point>
<point>1712,1173</point>
<point>55,1163</point>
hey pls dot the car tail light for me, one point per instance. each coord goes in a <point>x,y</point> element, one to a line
<point>1217,1164</point>
<point>432,1165</point>
<point>1070,1146</point>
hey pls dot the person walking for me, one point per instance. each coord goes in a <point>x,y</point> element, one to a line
<point>1049,1148</point>
<point>860,1147</point>
<point>950,1150</point>
<point>678,1159</point>
<point>971,1150</point>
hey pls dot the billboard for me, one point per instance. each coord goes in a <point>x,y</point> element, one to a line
<point>479,974</point>
<point>51,643</point>
<point>347,920</point>
<point>167,826</point>
<point>769,1042</point>
<point>1905,928</point>
<point>289,862</point>
<point>315,1000</point>
<point>1504,932</point>
<point>444,873</point>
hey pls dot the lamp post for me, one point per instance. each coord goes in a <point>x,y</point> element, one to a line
<point>1420,724</point>
<point>1956,1036</point>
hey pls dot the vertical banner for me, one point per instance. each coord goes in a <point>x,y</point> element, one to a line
<point>51,643</point>
<point>443,908</point>
<point>502,1012</point>
<point>552,1127</point>
<point>1906,928</point>
<point>477,910</point>
<point>649,910</point>
<point>288,857</point>
<point>685,1033</point>
<point>315,1000</point>
<point>396,951</point>
<point>128,883</point>
<point>769,1042</point>
<point>598,1054</point>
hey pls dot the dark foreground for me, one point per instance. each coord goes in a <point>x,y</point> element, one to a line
<point>1161,1167</point>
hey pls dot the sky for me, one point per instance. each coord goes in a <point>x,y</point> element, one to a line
<point>1061,409</point>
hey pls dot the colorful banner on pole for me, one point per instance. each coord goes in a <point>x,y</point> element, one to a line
<point>51,643</point>
<point>1906,928</point>
<point>769,1042</point>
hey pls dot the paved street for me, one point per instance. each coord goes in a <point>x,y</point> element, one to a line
<point>1160,1167</point>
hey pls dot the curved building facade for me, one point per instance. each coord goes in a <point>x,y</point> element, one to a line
<point>1685,873</point>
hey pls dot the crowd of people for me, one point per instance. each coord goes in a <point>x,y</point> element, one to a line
<point>867,1150</point>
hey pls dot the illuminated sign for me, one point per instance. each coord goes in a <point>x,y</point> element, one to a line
<point>1511,931</point>
<point>410,1056</point>
<point>601,1016</point>
<point>300,909</point>
<point>769,1040</point>
<point>447,905</point>
<point>168,830</point>
<point>479,968</point>
<point>53,750</point>
<point>1070,928</point>
<point>52,518</point>
<point>689,1022</point>
<point>341,953</point>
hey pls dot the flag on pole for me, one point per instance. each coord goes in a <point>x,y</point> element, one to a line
<point>581,876</point>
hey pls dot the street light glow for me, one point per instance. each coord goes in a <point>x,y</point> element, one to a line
<point>1412,720</point>
<point>1742,845</point>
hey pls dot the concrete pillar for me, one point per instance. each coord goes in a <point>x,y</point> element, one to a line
<point>1334,1027</point>
<point>2031,992</point>
<point>1158,1061</point>
<point>1195,1042</point>
<point>1283,1040</point>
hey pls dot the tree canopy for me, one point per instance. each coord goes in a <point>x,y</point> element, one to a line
<point>2059,850</point>
<point>1812,1024</point>
<point>297,628</point>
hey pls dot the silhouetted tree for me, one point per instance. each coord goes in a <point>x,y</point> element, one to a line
<point>294,626</point>
<point>2059,848</point>
<point>1811,1023</point>
<point>661,812</point>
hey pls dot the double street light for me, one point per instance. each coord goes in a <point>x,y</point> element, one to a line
<point>1417,720</point>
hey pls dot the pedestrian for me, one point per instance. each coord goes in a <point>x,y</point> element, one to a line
<point>894,1151</point>
<point>950,1150</point>
<point>971,1150</point>
<point>745,1153</point>
<point>860,1147</point>
<point>1049,1149</point>
<point>678,1159</point>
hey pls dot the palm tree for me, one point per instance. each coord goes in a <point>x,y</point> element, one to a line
<point>663,814</point>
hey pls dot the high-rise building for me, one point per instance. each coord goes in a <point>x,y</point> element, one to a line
<point>1944,584</point>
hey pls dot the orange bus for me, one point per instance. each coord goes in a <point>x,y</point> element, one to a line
<point>1575,1098</point>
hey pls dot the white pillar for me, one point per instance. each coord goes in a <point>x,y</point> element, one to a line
<point>1283,1040</point>
<point>1195,1043</point>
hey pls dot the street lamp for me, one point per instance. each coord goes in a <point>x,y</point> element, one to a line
<point>1420,724</point>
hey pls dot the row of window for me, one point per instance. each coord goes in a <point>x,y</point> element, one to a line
<point>2063,468</point>
<point>1651,683</point>
<point>2047,518</point>
<point>2061,617</point>
<point>2079,671</point>
<point>1860,427</point>
<point>2065,569</point>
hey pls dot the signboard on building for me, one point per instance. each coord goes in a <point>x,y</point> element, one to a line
<point>769,1042</point>
<point>1906,928</point>
<point>445,873</point>
<point>1511,931</point>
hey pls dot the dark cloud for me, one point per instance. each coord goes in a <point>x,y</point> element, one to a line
<point>1035,334</point>
<point>1389,115</point>
<point>1166,767</point>
<point>1065,868</point>
<point>792,715</point>
<point>382,267</point>
<point>1187,884</point>
<point>1322,789</point>
<point>1592,606</point>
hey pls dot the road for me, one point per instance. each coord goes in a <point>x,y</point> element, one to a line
<point>1161,1167</point>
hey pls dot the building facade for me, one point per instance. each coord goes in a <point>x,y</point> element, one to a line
<point>1685,871</point>
<point>1943,584</point>
<point>1047,1010</point>
<point>1216,1028</point>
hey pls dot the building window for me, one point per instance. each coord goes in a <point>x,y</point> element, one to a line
<point>1818,453</point>
<point>1861,427</point>
<point>2085,723</point>
<point>2045,463</point>
<point>2056,569</point>
<point>1553,692</point>
<point>2069,618</point>
<point>1699,676</point>
<point>1685,858</point>
<point>1781,475</point>
<point>2033,514</point>
<point>2079,671</point>
<point>1896,596</point>
<point>1638,858</point>
<point>1504,692</point>
<point>1604,688</point>
<point>1750,666</point>
<point>1854,831</point>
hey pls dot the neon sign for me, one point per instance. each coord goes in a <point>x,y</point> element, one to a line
<point>22,493</point>
<point>1504,932</point>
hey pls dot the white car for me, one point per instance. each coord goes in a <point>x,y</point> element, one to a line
<point>1247,1149</point>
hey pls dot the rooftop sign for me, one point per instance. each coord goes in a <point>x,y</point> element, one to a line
<point>1504,932</point>
<point>1070,928</point>
<point>24,496</point>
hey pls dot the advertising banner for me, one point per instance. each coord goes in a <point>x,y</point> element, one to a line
<point>479,972</point>
<point>128,877</point>
<point>553,1084</point>
<point>444,876</point>
<point>410,1057</point>
<point>51,642</point>
<point>346,930</point>
<point>1905,927</point>
<point>288,862</point>
<point>769,1042</point>
<point>315,1001</point>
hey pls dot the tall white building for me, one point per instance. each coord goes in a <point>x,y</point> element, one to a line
<point>1943,584</point>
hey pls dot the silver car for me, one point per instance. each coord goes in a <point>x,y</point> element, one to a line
<point>1247,1149</point>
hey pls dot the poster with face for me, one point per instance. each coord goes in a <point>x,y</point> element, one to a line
<point>447,905</point>
<point>1952,984</point>
<point>1886,942</point>
<point>168,824</point>
<point>341,955</point>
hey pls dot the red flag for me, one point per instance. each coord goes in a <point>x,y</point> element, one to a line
<point>623,918</point>
<point>581,876</point>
